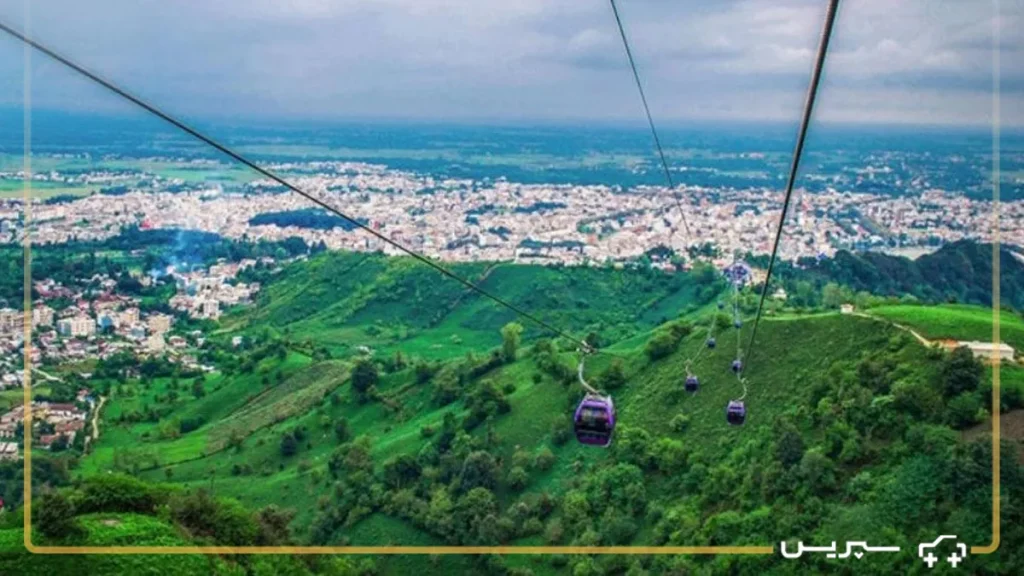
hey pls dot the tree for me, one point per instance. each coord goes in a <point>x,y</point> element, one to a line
<point>478,470</point>
<point>55,515</point>
<point>400,470</point>
<point>544,459</point>
<point>965,410</point>
<point>614,377</point>
<point>961,372</point>
<point>289,445</point>
<point>790,448</point>
<point>832,295</point>
<point>364,375</point>
<point>661,345</point>
<point>517,478</point>
<point>197,388</point>
<point>59,444</point>
<point>511,334</point>
<point>471,514</point>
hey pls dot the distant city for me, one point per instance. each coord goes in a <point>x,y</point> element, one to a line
<point>463,219</point>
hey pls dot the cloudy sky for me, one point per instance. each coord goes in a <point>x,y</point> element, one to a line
<point>916,61</point>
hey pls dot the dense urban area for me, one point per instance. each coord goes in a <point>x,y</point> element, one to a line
<point>472,220</point>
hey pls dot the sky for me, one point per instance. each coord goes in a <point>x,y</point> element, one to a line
<point>906,61</point>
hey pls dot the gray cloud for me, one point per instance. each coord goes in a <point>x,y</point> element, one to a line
<point>542,59</point>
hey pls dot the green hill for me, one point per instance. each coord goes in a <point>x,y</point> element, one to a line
<point>957,272</point>
<point>464,438</point>
<point>346,300</point>
<point>956,321</point>
<point>110,525</point>
<point>843,412</point>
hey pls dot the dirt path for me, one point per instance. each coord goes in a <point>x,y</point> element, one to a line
<point>913,332</point>
<point>96,417</point>
<point>49,377</point>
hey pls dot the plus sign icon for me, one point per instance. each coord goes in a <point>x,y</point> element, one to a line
<point>927,552</point>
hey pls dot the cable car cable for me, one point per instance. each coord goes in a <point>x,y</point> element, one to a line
<point>650,119</point>
<point>812,92</point>
<point>152,109</point>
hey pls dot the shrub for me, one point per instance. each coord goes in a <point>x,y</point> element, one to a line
<point>680,422</point>
<point>544,459</point>
<point>661,345</point>
<point>517,478</point>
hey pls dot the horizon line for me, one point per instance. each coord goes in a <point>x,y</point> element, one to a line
<point>8,113</point>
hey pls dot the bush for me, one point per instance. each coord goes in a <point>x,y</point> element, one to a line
<point>289,446</point>
<point>55,516</point>
<point>560,429</point>
<point>341,433</point>
<point>544,459</point>
<point>614,377</point>
<point>965,410</point>
<point>427,431</point>
<point>680,422</point>
<point>117,493</point>
<point>517,478</point>
<point>661,345</point>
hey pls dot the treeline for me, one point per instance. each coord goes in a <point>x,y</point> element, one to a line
<point>312,218</point>
<point>959,272</point>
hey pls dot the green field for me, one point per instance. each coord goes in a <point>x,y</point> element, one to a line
<point>956,321</point>
<point>16,396</point>
<point>40,190</point>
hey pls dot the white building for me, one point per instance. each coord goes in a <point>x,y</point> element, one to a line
<point>155,343</point>
<point>42,316</point>
<point>77,326</point>
<point>11,321</point>
<point>986,350</point>
<point>159,323</point>
<point>8,450</point>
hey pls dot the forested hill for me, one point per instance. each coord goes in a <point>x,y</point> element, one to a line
<point>346,300</point>
<point>960,272</point>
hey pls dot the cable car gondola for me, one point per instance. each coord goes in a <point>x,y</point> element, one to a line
<point>736,413</point>
<point>594,421</point>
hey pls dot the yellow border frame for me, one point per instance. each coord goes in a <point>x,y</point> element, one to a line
<point>447,550</point>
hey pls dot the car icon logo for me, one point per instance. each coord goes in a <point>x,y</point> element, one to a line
<point>930,559</point>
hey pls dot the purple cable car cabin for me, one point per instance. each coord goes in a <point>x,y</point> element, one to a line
<point>735,412</point>
<point>692,384</point>
<point>594,421</point>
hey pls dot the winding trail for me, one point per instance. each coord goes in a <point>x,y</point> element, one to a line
<point>926,342</point>
<point>96,417</point>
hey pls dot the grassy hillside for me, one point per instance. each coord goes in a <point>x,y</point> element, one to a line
<point>345,300</point>
<point>956,321</point>
<point>118,528</point>
<point>807,375</point>
<point>852,429</point>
